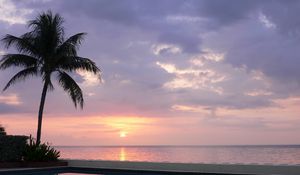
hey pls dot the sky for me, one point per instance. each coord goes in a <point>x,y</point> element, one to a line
<point>174,72</point>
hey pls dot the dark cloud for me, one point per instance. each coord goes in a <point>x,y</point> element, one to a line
<point>284,15</point>
<point>5,109</point>
<point>277,58</point>
<point>222,13</point>
<point>12,109</point>
<point>149,16</point>
<point>264,49</point>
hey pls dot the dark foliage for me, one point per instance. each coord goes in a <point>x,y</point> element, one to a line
<point>12,147</point>
<point>42,152</point>
<point>2,131</point>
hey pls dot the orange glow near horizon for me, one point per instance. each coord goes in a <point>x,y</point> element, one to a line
<point>126,124</point>
<point>93,128</point>
<point>222,128</point>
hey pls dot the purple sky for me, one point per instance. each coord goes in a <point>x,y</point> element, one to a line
<point>174,72</point>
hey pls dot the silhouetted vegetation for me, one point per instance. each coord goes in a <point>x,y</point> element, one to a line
<point>39,152</point>
<point>2,131</point>
<point>12,147</point>
<point>43,51</point>
<point>16,148</point>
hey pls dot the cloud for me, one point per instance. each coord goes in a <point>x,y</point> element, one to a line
<point>223,13</point>
<point>277,58</point>
<point>7,109</point>
<point>142,15</point>
<point>198,109</point>
<point>11,104</point>
<point>11,99</point>
<point>193,78</point>
<point>165,48</point>
<point>258,92</point>
<point>2,52</point>
<point>283,15</point>
<point>11,14</point>
<point>168,58</point>
<point>265,118</point>
<point>89,79</point>
<point>266,22</point>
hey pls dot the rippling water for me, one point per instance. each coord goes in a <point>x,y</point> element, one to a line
<point>188,154</point>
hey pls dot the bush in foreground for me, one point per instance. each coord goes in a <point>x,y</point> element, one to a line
<point>42,152</point>
<point>2,131</point>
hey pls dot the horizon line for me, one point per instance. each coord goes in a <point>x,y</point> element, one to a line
<point>224,145</point>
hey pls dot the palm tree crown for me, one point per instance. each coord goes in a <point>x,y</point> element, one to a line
<point>45,52</point>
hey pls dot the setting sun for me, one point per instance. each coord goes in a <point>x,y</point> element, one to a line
<point>123,134</point>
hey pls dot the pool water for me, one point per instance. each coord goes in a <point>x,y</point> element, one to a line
<point>83,171</point>
<point>76,174</point>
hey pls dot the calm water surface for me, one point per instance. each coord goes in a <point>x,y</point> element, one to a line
<point>188,154</point>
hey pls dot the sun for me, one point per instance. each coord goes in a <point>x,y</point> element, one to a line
<point>123,134</point>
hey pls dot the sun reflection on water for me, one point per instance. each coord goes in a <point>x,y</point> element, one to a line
<point>186,154</point>
<point>122,155</point>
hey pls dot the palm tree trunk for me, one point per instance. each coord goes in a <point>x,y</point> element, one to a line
<point>41,109</point>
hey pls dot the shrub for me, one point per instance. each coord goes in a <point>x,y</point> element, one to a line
<point>2,131</point>
<point>40,152</point>
<point>12,147</point>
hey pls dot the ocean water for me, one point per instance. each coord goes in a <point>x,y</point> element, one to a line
<point>280,154</point>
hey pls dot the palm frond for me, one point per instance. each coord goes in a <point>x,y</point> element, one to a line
<point>70,46</point>
<point>46,21</point>
<point>22,75</point>
<point>69,85</point>
<point>48,32</point>
<point>73,63</point>
<point>23,44</point>
<point>50,86</point>
<point>9,60</point>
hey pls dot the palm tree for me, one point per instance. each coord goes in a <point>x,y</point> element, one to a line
<point>44,52</point>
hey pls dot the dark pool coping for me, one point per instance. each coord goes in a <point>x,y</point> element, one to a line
<point>28,171</point>
<point>15,171</point>
<point>157,168</point>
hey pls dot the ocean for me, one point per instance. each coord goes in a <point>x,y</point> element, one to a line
<point>268,154</point>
